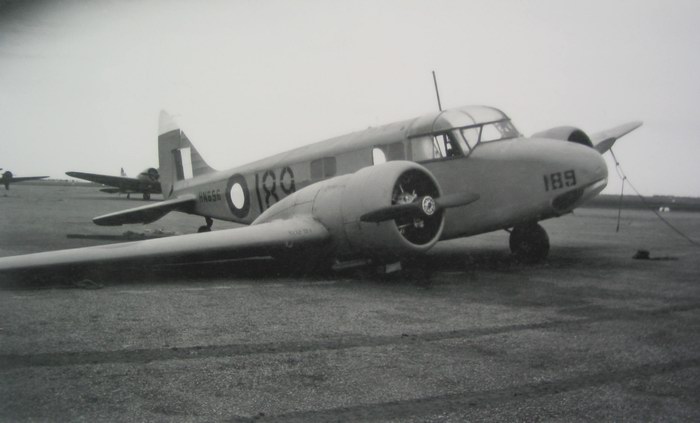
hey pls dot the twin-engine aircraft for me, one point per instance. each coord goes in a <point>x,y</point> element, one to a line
<point>379,196</point>
<point>8,178</point>
<point>145,183</point>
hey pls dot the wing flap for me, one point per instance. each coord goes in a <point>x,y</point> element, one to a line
<point>604,140</point>
<point>146,214</point>
<point>249,241</point>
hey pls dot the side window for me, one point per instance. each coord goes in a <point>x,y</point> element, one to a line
<point>329,167</point>
<point>323,168</point>
<point>422,148</point>
<point>433,147</point>
<point>378,156</point>
<point>317,169</point>
<point>396,151</point>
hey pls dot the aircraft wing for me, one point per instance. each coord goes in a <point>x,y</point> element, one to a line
<point>146,214</point>
<point>27,178</point>
<point>249,241</point>
<point>603,141</point>
<point>124,183</point>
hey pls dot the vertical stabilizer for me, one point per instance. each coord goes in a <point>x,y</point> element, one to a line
<point>178,159</point>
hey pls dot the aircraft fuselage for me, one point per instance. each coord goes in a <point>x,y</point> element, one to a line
<point>518,179</point>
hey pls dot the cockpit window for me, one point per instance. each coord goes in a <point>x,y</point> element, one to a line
<point>460,141</point>
<point>500,130</point>
<point>471,135</point>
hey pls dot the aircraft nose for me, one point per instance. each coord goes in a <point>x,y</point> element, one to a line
<point>582,173</point>
<point>590,164</point>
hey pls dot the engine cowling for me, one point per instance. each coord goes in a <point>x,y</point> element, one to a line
<point>566,133</point>
<point>380,186</point>
<point>150,174</point>
<point>340,202</point>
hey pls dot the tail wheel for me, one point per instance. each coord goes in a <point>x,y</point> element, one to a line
<point>529,243</point>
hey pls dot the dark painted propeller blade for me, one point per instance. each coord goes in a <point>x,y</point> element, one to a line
<point>393,212</point>
<point>456,200</point>
<point>415,209</point>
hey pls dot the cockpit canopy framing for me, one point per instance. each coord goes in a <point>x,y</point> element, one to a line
<point>456,132</point>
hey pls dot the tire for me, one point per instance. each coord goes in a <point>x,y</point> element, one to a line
<point>529,243</point>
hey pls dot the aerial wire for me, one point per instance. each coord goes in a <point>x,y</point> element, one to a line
<point>437,92</point>
<point>625,179</point>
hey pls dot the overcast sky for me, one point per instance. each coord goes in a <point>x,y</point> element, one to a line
<point>82,83</point>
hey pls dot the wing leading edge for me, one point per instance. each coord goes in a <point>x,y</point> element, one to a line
<point>27,178</point>
<point>250,241</point>
<point>123,183</point>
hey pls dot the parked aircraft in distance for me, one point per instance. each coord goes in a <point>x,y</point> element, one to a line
<point>378,196</point>
<point>8,178</point>
<point>146,183</point>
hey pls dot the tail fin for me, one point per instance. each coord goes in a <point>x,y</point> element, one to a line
<point>178,159</point>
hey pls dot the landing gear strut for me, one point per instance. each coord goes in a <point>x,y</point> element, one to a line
<point>529,243</point>
<point>146,196</point>
<point>207,227</point>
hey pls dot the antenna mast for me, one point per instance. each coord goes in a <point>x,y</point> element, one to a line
<point>437,92</point>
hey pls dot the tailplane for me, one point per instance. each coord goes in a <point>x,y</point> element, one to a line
<point>178,159</point>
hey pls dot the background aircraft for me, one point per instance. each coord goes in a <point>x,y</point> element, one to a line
<point>145,183</point>
<point>379,196</point>
<point>8,178</point>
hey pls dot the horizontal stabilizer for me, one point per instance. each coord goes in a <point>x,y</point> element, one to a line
<point>249,241</point>
<point>603,141</point>
<point>146,214</point>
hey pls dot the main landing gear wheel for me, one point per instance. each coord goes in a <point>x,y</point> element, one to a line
<point>529,243</point>
<point>207,227</point>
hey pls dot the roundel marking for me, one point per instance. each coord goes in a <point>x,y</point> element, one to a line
<point>287,184</point>
<point>238,196</point>
<point>428,205</point>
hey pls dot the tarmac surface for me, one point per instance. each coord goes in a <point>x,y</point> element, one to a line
<point>467,335</point>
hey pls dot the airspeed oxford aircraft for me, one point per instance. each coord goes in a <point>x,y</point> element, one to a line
<point>145,183</point>
<point>7,178</point>
<point>381,195</point>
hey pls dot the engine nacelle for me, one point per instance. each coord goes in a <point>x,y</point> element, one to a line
<point>565,133</point>
<point>338,203</point>
<point>149,175</point>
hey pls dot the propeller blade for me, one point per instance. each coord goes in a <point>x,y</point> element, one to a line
<point>422,206</point>
<point>456,200</point>
<point>393,212</point>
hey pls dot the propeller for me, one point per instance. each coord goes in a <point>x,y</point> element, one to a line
<point>424,206</point>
